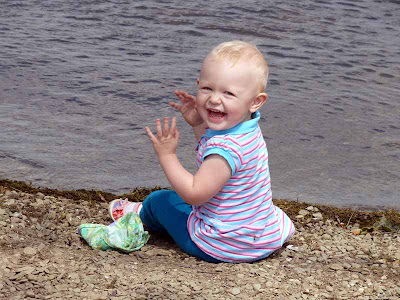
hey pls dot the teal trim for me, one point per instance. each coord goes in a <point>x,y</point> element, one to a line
<point>224,154</point>
<point>240,128</point>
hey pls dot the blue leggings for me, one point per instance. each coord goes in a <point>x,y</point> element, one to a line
<point>165,211</point>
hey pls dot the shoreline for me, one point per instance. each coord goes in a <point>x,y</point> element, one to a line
<point>334,254</point>
<point>365,218</point>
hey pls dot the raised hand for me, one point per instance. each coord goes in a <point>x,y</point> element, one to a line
<point>187,107</point>
<point>166,139</point>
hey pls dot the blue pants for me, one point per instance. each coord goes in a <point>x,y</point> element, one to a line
<point>165,211</point>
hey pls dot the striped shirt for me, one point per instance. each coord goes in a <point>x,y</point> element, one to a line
<point>240,223</point>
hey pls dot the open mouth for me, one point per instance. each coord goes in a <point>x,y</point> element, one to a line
<point>215,114</point>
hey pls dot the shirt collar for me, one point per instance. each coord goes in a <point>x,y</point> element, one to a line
<point>240,128</point>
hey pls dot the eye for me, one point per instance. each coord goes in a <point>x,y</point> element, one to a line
<point>206,88</point>
<point>229,94</point>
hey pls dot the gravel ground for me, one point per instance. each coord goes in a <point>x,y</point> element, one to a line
<point>42,257</point>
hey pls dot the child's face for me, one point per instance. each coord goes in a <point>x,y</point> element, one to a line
<point>226,94</point>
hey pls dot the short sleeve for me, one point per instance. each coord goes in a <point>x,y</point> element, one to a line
<point>228,148</point>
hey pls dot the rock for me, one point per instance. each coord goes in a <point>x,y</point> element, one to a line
<point>13,194</point>
<point>40,196</point>
<point>29,251</point>
<point>10,201</point>
<point>235,291</point>
<point>326,236</point>
<point>336,267</point>
<point>318,216</point>
<point>303,212</point>
<point>30,293</point>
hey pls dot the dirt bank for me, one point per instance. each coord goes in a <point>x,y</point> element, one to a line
<point>335,254</point>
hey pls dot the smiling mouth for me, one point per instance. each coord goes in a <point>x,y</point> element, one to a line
<point>215,114</point>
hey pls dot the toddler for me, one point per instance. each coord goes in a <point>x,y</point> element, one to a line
<point>224,212</point>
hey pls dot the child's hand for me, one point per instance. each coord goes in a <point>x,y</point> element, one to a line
<point>166,140</point>
<point>187,108</point>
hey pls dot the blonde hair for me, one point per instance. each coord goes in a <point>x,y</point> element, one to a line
<point>234,51</point>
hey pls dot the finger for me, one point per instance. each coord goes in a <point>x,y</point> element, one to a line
<point>158,128</point>
<point>166,127</point>
<point>150,135</point>
<point>177,134</point>
<point>188,97</point>
<point>182,96</point>
<point>173,126</point>
<point>178,93</point>
<point>176,105</point>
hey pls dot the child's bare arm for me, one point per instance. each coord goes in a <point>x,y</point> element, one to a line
<point>193,189</point>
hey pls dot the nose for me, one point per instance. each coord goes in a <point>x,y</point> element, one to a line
<point>215,99</point>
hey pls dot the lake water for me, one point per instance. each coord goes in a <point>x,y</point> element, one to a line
<point>79,80</point>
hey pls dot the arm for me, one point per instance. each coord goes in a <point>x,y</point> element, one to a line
<point>193,189</point>
<point>199,131</point>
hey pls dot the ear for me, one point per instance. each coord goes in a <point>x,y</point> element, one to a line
<point>258,102</point>
<point>197,81</point>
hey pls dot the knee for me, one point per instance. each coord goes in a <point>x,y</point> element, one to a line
<point>157,197</point>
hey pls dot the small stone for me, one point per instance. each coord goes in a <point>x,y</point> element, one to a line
<point>325,236</point>
<point>303,212</point>
<point>317,216</point>
<point>41,247</point>
<point>14,194</point>
<point>346,265</point>
<point>235,291</point>
<point>10,202</point>
<point>30,251</point>
<point>40,196</point>
<point>257,286</point>
<point>336,267</point>
<point>310,208</point>
<point>356,231</point>
<point>299,270</point>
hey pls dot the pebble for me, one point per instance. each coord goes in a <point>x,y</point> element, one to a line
<point>29,251</point>
<point>303,212</point>
<point>235,291</point>
<point>40,196</point>
<point>317,216</point>
<point>336,267</point>
<point>326,236</point>
<point>10,202</point>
